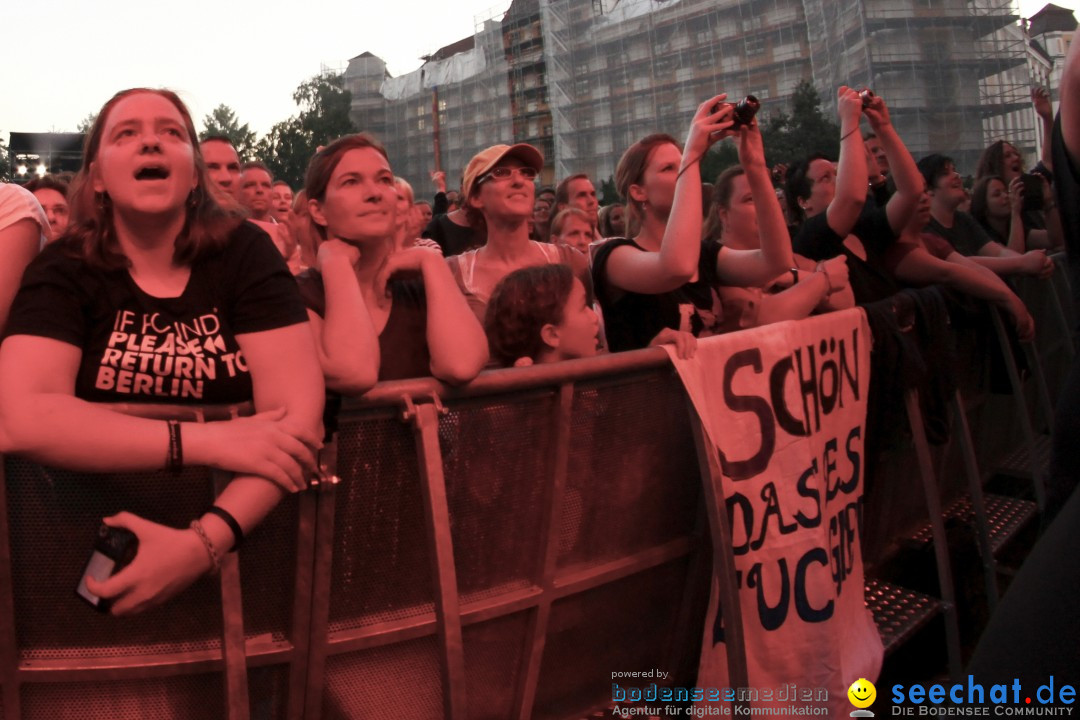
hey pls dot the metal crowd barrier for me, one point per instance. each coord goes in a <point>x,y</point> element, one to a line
<point>195,656</point>
<point>495,551</point>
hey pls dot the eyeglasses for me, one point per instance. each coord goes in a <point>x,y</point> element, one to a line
<point>504,173</point>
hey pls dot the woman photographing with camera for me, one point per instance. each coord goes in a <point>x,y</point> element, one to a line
<point>159,292</point>
<point>660,285</point>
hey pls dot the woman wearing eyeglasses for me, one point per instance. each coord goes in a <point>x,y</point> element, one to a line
<point>499,198</point>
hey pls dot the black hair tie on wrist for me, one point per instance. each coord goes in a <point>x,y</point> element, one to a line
<point>228,519</point>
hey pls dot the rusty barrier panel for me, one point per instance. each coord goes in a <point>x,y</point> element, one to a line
<point>492,551</point>
<point>501,550</point>
<point>163,663</point>
<point>197,655</point>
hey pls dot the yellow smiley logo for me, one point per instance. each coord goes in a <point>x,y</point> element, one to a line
<point>862,693</point>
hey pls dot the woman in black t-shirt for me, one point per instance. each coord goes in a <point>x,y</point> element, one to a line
<point>159,293</point>
<point>378,314</point>
<point>660,286</point>
<point>999,208</point>
<point>1041,222</point>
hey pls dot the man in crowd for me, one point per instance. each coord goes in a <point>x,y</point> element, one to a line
<point>576,191</point>
<point>222,162</point>
<point>963,232</point>
<point>877,169</point>
<point>877,151</point>
<point>51,192</point>
<point>423,207</point>
<point>256,183</point>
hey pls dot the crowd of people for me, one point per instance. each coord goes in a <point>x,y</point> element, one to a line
<point>168,271</point>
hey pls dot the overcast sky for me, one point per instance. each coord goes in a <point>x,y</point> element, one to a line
<point>62,59</point>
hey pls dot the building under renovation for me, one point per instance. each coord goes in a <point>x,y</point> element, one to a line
<point>583,79</point>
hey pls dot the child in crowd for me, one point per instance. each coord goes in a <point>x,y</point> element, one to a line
<point>539,314</point>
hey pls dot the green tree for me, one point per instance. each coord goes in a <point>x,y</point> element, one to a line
<point>324,107</point>
<point>286,150</point>
<point>223,121</point>
<point>5,162</point>
<point>324,117</point>
<point>720,157</point>
<point>806,130</point>
<point>86,123</point>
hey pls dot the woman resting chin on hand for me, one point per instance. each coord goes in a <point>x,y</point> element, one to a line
<point>379,313</point>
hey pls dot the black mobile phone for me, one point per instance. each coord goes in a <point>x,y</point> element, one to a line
<point>114,549</point>
<point>1033,191</point>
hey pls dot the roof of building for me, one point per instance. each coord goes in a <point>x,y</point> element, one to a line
<point>1040,50</point>
<point>1052,18</point>
<point>520,8</point>
<point>443,53</point>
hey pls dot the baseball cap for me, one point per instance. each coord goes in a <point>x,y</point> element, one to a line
<point>483,161</point>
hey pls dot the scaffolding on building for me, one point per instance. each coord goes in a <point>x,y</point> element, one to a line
<point>1006,87</point>
<point>641,67</point>
<point>583,81</point>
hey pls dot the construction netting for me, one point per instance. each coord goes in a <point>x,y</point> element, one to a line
<point>583,79</point>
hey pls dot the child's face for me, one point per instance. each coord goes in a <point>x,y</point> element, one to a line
<point>576,233</point>
<point>579,328</point>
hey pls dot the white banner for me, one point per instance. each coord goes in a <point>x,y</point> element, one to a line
<point>785,405</point>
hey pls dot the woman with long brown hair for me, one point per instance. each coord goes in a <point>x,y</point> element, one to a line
<point>378,311</point>
<point>734,222</point>
<point>159,292</point>
<point>1040,220</point>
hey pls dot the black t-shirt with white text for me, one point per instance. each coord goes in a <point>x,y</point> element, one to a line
<point>141,348</point>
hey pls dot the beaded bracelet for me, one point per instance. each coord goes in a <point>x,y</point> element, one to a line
<point>198,528</point>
